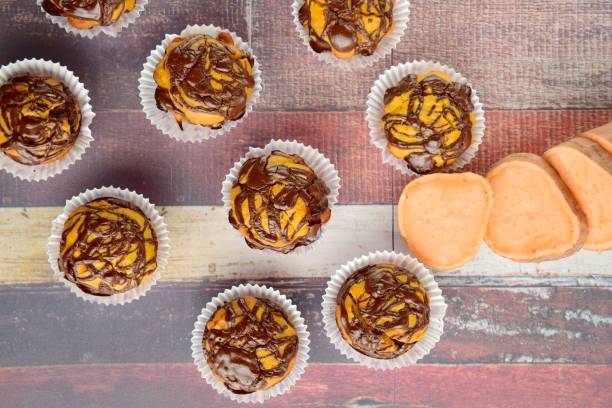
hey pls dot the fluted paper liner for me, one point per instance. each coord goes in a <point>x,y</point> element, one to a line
<point>401,16</point>
<point>321,166</point>
<point>165,121</point>
<point>157,221</point>
<point>437,310</point>
<point>112,30</point>
<point>376,110</point>
<point>295,319</point>
<point>81,95</point>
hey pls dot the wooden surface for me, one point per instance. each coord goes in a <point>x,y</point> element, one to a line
<point>515,334</point>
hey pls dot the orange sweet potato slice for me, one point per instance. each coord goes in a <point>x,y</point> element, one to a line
<point>534,216</point>
<point>601,135</point>
<point>443,217</point>
<point>586,168</point>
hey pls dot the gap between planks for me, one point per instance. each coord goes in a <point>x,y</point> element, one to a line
<point>204,245</point>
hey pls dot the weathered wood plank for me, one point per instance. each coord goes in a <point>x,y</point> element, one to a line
<point>162,385</point>
<point>109,67</point>
<point>129,152</point>
<point>522,54</point>
<point>44,324</point>
<point>205,245</point>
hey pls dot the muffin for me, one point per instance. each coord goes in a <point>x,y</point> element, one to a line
<point>428,121</point>
<point>278,202</point>
<point>203,80</point>
<point>382,310</point>
<point>39,119</point>
<point>108,246</point>
<point>86,14</point>
<point>346,28</point>
<point>250,344</point>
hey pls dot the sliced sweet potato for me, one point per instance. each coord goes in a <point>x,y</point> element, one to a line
<point>586,168</point>
<point>534,216</point>
<point>601,135</point>
<point>443,217</point>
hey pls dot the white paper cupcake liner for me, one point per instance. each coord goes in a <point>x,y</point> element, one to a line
<point>157,221</point>
<point>321,166</point>
<point>81,95</point>
<point>401,15</point>
<point>295,319</point>
<point>376,107</point>
<point>112,30</point>
<point>165,121</point>
<point>437,309</point>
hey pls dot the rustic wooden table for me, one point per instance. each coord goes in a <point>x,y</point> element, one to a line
<point>515,335</point>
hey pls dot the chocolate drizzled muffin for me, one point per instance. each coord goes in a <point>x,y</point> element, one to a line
<point>250,345</point>
<point>382,311</point>
<point>108,246</point>
<point>39,119</point>
<point>428,121</point>
<point>85,14</point>
<point>279,203</point>
<point>204,80</point>
<point>347,28</point>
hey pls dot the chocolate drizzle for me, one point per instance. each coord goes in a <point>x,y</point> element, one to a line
<point>382,310</point>
<point>433,127</point>
<point>39,119</point>
<point>250,344</point>
<point>89,13</point>
<point>204,80</point>
<point>108,246</point>
<point>347,27</point>
<point>279,203</point>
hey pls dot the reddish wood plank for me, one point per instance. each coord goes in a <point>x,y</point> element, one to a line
<point>524,131</point>
<point>159,385</point>
<point>109,67</point>
<point>483,325</point>
<point>129,152</point>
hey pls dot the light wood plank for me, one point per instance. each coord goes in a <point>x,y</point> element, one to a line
<point>205,245</point>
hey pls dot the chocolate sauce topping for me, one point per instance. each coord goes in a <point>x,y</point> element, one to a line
<point>357,25</point>
<point>102,12</point>
<point>205,75</point>
<point>108,246</point>
<point>250,344</point>
<point>279,203</point>
<point>39,119</point>
<point>447,132</point>
<point>382,310</point>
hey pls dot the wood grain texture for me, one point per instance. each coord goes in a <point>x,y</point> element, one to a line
<point>204,245</point>
<point>323,386</point>
<point>109,67</point>
<point>129,152</point>
<point>48,325</point>
<point>521,54</point>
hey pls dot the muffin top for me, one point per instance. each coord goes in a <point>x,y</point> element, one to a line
<point>204,80</point>
<point>85,14</point>
<point>347,28</point>
<point>108,246</point>
<point>279,203</point>
<point>382,310</point>
<point>250,345</point>
<point>428,121</point>
<point>39,119</point>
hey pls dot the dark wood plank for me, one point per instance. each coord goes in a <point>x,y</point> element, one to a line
<point>335,385</point>
<point>109,67</point>
<point>48,325</point>
<point>129,152</point>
